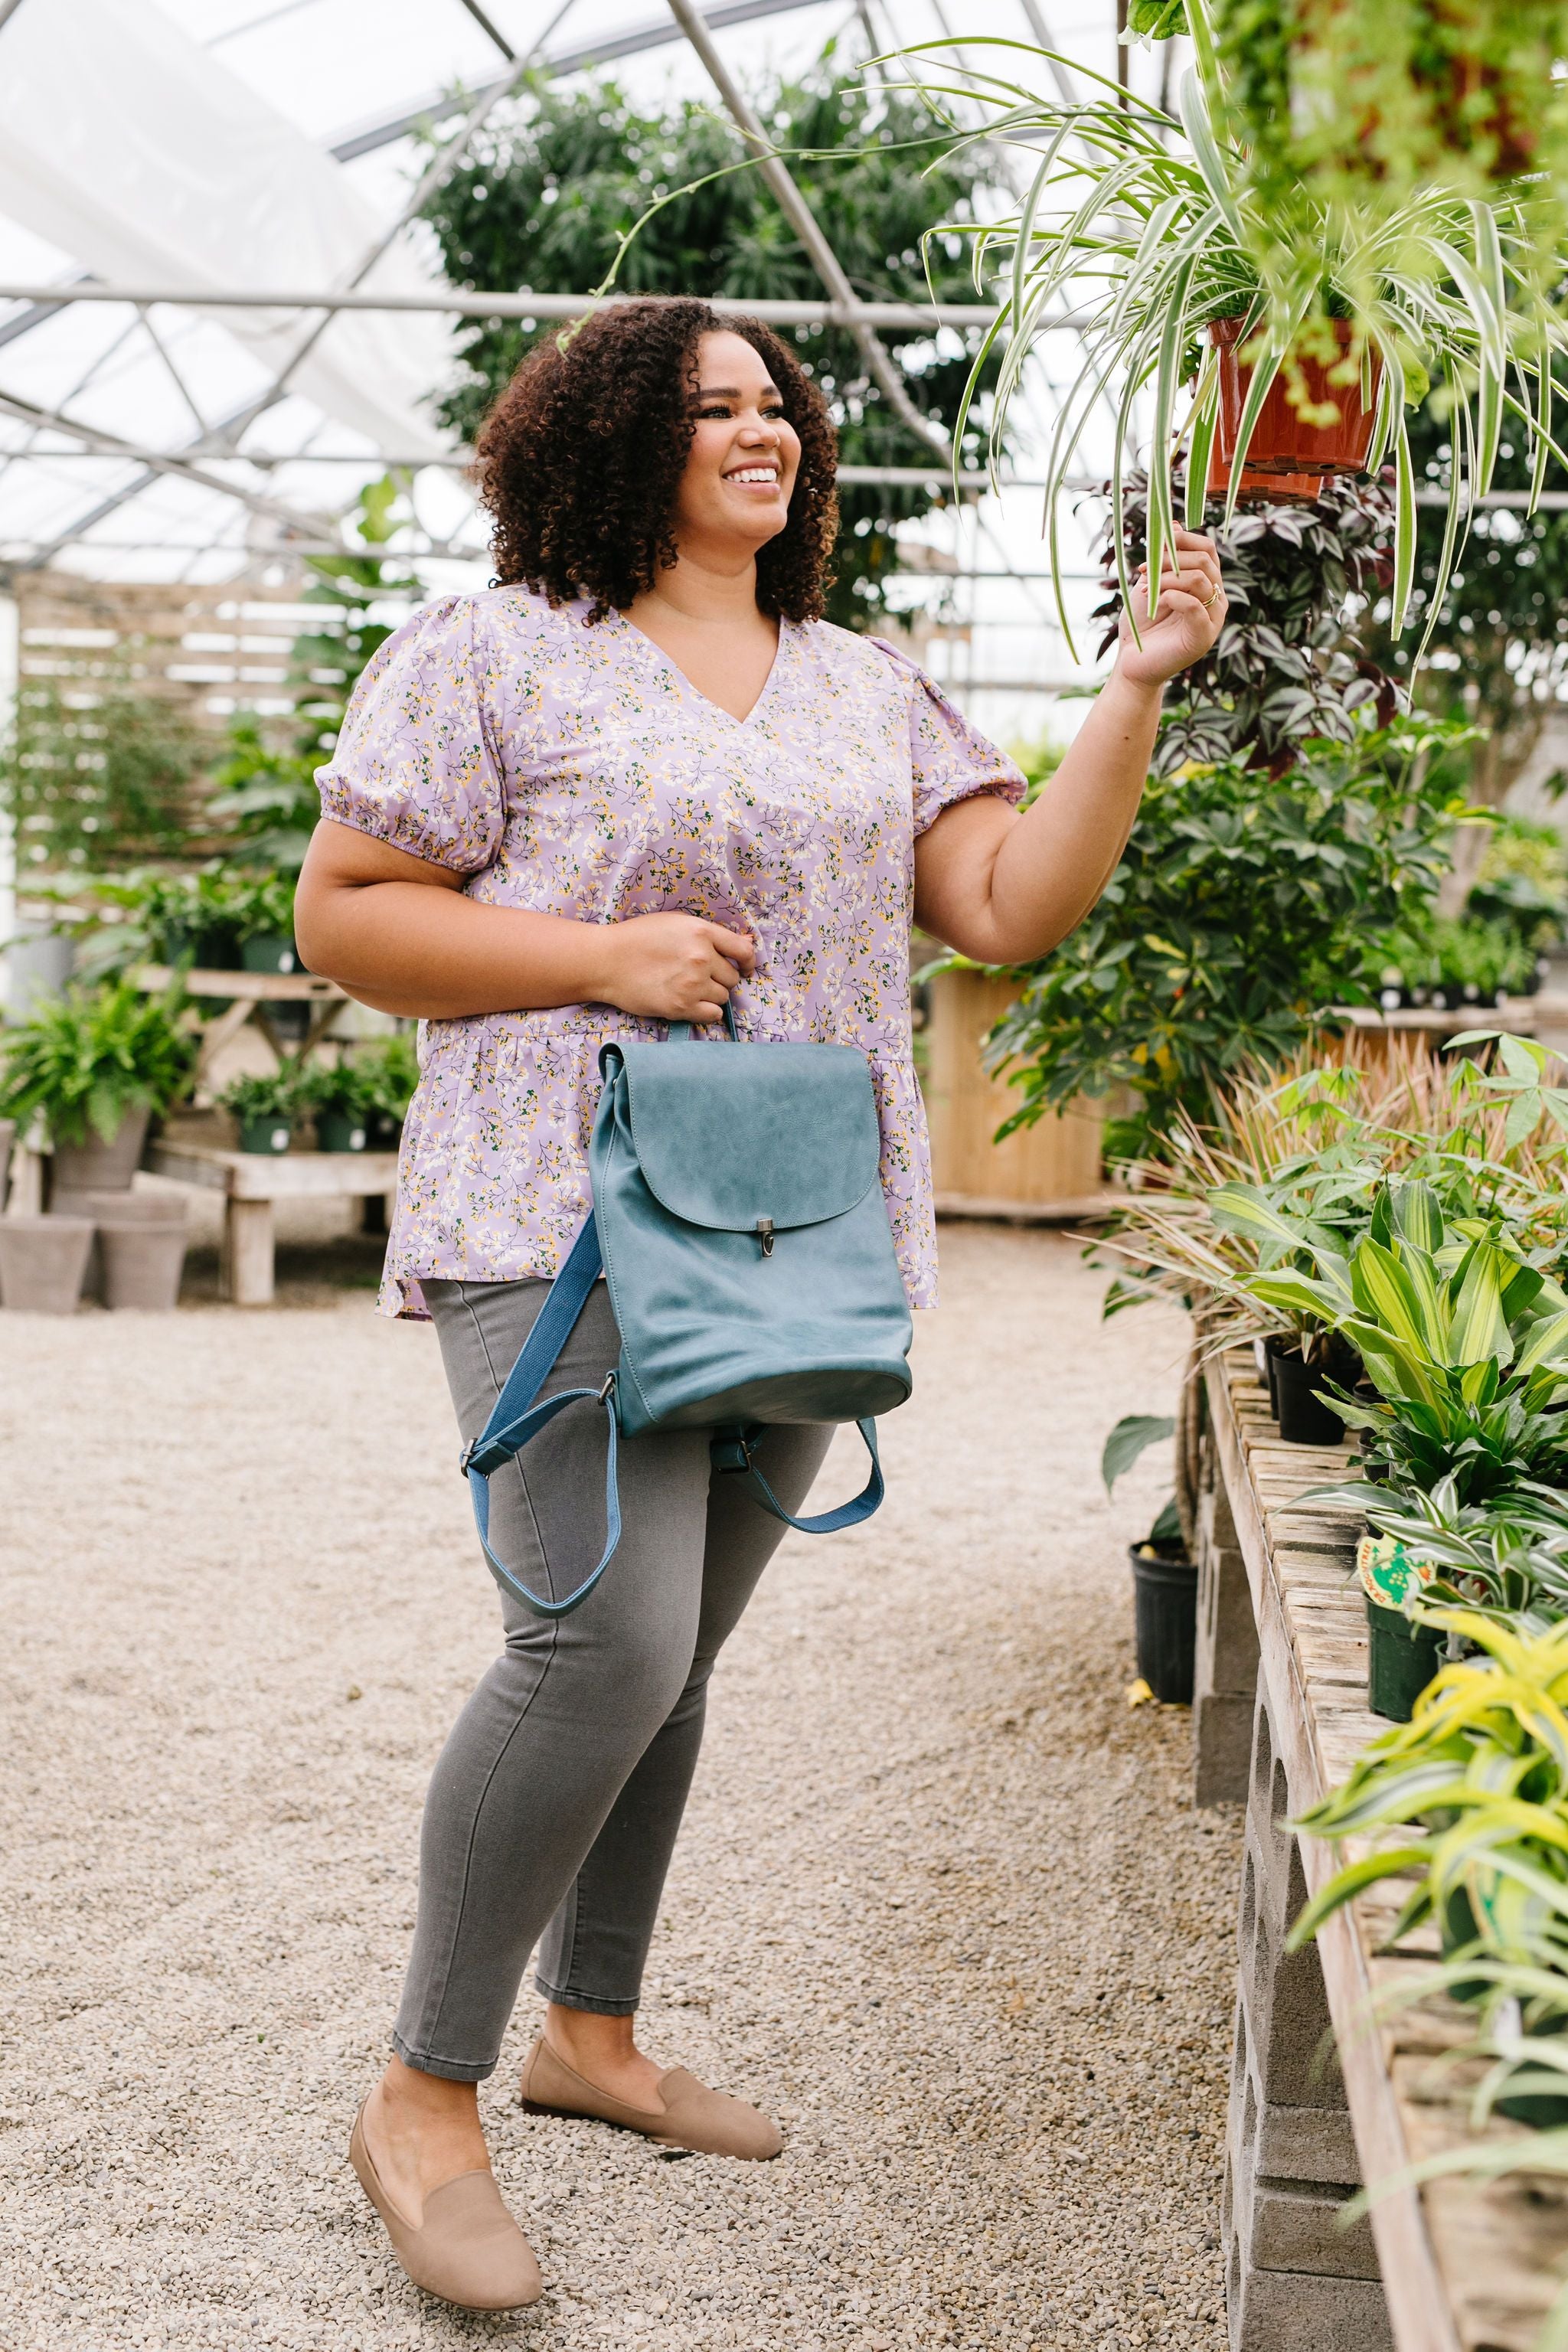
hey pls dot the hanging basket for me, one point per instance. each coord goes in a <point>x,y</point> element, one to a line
<point>1287,458</point>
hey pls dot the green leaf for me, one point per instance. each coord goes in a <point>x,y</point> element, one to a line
<point>1130,1438</point>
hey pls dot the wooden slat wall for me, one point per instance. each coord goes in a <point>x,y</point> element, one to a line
<point>211,649</point>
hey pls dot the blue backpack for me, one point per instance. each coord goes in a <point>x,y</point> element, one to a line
<point>742,1230</point>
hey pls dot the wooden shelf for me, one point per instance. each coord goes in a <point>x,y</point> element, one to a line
<point>1468,2266</point>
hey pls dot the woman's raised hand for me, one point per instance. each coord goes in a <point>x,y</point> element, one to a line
<point>674,966</point>
<point>1188,616</point>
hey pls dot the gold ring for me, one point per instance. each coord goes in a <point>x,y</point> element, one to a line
<point>1208,602</point>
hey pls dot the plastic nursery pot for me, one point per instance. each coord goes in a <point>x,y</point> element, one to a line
<point>1541,2110</point>
<point>1165,1614</point>
<point>274,1133</point>
<point>42,1262</point>
<point>1287,458</point>
<point>1303,1420</point>
<point>382,1132</point>
<point>99,1167</point>
<point>273,952</point>
<point>1401,1659</point>
<point>336,1131</point>
<point>144,1259</point>
<point>1459,1931</point>
<point>209,946</point>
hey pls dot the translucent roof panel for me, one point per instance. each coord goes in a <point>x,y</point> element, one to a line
<point>224,146</point>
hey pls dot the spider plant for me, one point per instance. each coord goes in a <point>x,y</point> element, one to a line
<point>1140,228</point>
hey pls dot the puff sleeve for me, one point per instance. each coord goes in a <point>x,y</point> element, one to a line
<point>415,764</point>
<point>949,759</point>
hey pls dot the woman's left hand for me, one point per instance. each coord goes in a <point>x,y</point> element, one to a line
<point>1188,616</point>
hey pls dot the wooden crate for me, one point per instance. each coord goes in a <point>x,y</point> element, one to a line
<point>1055,1164</point>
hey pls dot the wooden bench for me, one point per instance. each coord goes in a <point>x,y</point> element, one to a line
<point>1464,2266</point>
<point>252,1182</point>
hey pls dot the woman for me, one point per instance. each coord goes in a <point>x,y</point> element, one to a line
<point>637,780</point>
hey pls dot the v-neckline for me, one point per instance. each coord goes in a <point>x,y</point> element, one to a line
<point>659,655</point>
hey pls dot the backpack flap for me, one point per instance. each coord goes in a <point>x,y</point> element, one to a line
<point>740,1138</point>
<point>746,1237</point>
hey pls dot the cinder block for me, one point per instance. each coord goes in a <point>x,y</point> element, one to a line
<point>1222,1745</point>
<point>1296,2226</point>
<point>1225,1671</point>
<point>1296,2311</point>
<point>1308,2144</point>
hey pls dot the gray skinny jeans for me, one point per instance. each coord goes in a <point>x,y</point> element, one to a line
<point>553,1809</point>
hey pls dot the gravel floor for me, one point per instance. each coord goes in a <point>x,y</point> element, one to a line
<point>944,1905</point>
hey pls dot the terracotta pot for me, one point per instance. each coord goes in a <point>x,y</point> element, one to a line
<point>42,1261</point>
<point>1287,459</point>
<point>142,1261</point>
<point>99,1167</point>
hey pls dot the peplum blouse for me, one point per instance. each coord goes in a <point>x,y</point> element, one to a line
<point>571,769</point>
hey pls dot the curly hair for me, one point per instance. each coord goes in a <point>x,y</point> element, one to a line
<point>580,458</point>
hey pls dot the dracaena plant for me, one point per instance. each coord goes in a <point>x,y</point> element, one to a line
<point>1480,1775</point>
<point>1144,227</point>
<point>1432,1304</point>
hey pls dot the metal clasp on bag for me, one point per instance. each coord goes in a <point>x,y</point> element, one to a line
<point>466,1456</point>
<point>765,1235</point>
<point>731,1448</point>
<point>606,1394</point>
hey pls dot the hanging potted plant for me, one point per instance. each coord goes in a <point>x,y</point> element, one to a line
<point>94,1065</point>
<point>1150,231</point>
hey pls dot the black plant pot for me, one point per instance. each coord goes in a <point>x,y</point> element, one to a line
<point>1303,1419</point>
<point>1165,1611</point>
<point>1541,2110</point>
<point>1402,1658</point>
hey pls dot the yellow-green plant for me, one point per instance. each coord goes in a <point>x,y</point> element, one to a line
<point>1480,1775</point>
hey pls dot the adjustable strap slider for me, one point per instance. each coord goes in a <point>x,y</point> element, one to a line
<point>466,1457</point>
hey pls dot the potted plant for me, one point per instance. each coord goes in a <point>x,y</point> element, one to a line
<point>264,921</point>
<point>1165,1580</point>
<point>264,1109</point>
<point>1477,1781</point>
<point>391,1072</point>
<point>1148,229</point>
<point>94,1065</point>
<point>341,1097</point>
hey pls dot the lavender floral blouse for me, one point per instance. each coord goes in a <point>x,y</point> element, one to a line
<point>573,770</point>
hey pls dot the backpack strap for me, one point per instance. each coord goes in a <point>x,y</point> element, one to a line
<point>732,1451</point>
<point>515,1419</point>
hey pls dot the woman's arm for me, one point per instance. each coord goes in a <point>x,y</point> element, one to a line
<point>1003,887</point>
<point>398,933</point>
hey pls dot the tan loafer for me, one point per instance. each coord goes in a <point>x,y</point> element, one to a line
<point>707,2122</point>
<point>467,2249</point>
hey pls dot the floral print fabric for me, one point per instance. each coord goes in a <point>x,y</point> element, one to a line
<point>571,769</point>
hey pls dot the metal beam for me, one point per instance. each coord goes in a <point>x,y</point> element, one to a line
<point>460,301</point>
<point>661,34</point>
<point>806,226</point>
<point>109,445</point>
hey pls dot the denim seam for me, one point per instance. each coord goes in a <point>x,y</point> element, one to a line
<point>444,1976</point>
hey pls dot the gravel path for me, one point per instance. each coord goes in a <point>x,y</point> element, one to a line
<point>942,1906</point>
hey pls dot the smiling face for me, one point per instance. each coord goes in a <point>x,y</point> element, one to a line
<point>734,493</point>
